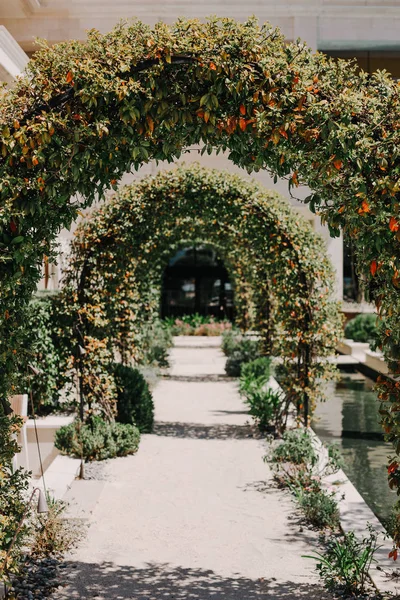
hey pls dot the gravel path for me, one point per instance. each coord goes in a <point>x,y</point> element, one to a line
<point>194,514</point>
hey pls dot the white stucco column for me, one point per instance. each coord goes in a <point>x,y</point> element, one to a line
<point>335,252</point>
<point>13,59</point>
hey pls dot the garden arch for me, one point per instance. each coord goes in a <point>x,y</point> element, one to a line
<point>85,113</point>
<point>272,254</point>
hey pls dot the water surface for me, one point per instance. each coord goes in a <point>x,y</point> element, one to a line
<point>350,419</point>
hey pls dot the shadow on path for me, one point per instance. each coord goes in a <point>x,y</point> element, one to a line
<point>163,581</point>
<point>231,412</point>
<point>198,431</point>
<point>213,377</point>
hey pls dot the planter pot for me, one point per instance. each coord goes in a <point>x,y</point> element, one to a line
<point>19,405</point>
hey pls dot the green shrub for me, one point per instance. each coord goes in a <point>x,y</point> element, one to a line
<point>134,400</point>
<point>258,368</point>
<point>230,341</point>
<point>156,342</point>
<point>268,407</point>
<point>296,447</point>
<point>97,440</point>
<point>320,507</point>
<point>362,328</point>
<point>246,351</point>
<point>345,563</point>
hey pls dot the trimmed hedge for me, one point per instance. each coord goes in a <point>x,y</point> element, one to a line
<point>245,350</point>
<point>134,400</point>
<point>97,440</point>
<point>362,328</point>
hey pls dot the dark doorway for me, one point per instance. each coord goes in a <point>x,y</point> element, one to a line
<point>196,281</point>
<point>352,291</point>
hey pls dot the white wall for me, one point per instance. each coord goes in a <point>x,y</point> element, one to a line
<point>326,24</point>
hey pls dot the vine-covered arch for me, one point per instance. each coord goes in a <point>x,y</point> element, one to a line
<point>86,112</point>
<point>272,253</point>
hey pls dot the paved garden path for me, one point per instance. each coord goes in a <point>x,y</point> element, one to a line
<point>194,514</point>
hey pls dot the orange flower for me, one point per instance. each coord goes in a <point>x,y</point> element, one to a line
<point>338,164</point>
<point>365,208</point>
<point>242,124</point>
<point>393,224</point>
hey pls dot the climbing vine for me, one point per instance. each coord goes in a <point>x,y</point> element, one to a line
<point>119,254</point>
<point>86,112</point>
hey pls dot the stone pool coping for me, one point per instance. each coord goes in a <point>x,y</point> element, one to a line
<point>355,515</point>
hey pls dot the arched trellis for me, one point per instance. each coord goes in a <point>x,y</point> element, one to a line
<point>119,254</point>
<point>86,112</point>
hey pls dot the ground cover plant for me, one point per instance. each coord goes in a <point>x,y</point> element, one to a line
<point>298,467</point>
<point>345,561</point>
<point>319,507</point>
<point>52,533</point>
<point>296,447</point>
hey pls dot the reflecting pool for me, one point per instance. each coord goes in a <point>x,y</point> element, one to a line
<point>350,419</point>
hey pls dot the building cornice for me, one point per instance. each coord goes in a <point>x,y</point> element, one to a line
<point>13,59</point>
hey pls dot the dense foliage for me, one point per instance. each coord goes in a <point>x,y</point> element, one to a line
<point>155,342</point>
<point>97,439</point>
<point>43,356</point>
<point>134,400</point>
<point>296,447</point>
<point>110,293</point>
<point>362,328</point>
<point>86,112</point>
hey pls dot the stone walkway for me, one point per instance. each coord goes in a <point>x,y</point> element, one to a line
<point>194,515</point>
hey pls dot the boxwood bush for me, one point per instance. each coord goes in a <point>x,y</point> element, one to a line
<point>260,367</point>
<point>97,439</point>
<point>362,328</point>
<point>246,351</point>
<point>134,400</point>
